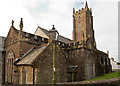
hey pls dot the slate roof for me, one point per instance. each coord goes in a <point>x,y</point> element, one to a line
<point>45,31</point>
<point>31,55</point>
<point>60,38</point>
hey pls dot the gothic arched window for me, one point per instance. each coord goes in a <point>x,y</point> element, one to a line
<point>9,67</point>
<point>23,76</point>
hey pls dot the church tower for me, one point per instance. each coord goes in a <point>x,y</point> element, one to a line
<point>83,24</point>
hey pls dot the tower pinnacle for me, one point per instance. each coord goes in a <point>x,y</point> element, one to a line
<point>86,5</point>
<point>73,10</point>
<point>21,24</point>
<point>12,23</point>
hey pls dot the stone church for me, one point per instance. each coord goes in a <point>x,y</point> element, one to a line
<point>46,56</point>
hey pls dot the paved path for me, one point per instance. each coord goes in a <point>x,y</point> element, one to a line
<point>108,81</point>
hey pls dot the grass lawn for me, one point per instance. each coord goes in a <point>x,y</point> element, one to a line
<point>106,76</point>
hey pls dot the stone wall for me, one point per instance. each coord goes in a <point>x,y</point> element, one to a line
<point>44,66</point>
<point>18,44</point>
<point>82,56</point>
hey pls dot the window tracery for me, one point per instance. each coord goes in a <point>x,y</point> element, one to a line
<point>9,68</point>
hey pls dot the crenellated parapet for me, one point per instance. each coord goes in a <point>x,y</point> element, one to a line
<point>72,45</point>
<point>78,44</point>
<point>25,37</point>
<point>31,38</point>
<point>82,10</point>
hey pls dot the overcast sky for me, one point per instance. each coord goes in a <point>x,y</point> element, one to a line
<point>45,13</point>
